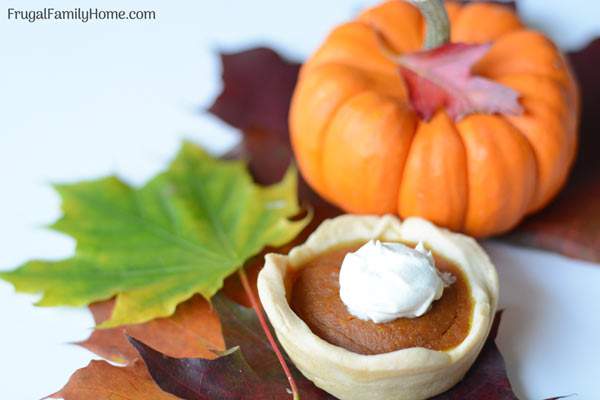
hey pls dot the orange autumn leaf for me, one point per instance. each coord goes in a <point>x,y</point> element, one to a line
<point>192,331</point>
<point>100,380</point>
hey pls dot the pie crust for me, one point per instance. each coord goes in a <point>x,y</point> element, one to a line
<point>413,373</point>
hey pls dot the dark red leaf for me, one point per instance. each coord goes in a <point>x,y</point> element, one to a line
<point>441,78</point>
<point>241,328</point>
<point>249,370</point>
<point>268,155</point>
<point>258,91</point>
<point>265,144</point>
<point>261,111</point>
<point>571,224</point>
<point>487,379</point>
<point>226,377</point>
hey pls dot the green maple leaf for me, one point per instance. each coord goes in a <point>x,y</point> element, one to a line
<point>182,233</point>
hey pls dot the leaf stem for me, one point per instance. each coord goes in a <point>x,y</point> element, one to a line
<point>263,322</point>
<point>437,24</point>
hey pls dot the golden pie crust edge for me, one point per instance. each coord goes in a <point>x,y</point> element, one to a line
<point>412,373</point>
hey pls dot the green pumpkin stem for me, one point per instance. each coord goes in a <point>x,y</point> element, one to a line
<point>437,24</point>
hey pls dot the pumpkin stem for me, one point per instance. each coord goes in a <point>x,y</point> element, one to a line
<point>437,24</point>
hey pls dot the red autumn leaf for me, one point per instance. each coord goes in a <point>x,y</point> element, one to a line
<point>487,379</point>
<point>242,104</point>
<point>192,331</point>
<point>571,224</point>
<point>226,377</point>
<point>260,110</point>
<point>100,380</point>
<point>441,78</point>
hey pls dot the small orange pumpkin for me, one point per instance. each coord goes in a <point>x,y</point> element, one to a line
<point>360,145</point>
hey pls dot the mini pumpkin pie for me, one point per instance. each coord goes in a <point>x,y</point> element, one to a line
<point>368,330</point>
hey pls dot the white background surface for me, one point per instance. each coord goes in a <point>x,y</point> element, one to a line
<point>78,101</point>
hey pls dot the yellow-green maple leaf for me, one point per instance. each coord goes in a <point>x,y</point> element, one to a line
<point>182,233</point>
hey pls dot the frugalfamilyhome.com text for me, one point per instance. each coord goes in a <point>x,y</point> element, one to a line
<point>78,14</point>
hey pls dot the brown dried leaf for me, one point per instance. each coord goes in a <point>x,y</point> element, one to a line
<point>192,331</point>
<point>100,380</point>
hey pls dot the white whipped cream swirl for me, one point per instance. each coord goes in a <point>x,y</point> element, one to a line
<point>385,281</point>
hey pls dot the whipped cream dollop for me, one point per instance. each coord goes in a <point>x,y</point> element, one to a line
<point>384,281</point>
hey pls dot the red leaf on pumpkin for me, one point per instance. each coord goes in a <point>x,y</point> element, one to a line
<point>441,78</point>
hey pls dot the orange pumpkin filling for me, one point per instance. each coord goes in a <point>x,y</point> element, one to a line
<point>315,299</point>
